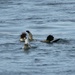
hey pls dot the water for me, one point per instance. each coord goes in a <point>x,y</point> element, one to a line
<point>41,17</point>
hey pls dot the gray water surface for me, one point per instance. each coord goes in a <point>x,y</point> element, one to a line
<point>41,17</point>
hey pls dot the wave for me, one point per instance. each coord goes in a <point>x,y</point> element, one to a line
<point>55,3</point>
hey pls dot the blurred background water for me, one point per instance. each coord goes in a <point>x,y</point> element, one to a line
<point>41,17</point>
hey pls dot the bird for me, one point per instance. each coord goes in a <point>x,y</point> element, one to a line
<point>26,44</point>
<point>23,37</point>
<point>50,39</point>
<point>30,36</point>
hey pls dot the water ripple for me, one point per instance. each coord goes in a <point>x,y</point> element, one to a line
<point>55,3</point>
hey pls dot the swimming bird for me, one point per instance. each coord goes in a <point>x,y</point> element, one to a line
<point>50,39</point>
<point>23,37</point>
<point>30,36</point>
<point>27,45</point>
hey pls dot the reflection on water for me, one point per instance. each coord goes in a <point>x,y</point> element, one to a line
<point>55,17</point>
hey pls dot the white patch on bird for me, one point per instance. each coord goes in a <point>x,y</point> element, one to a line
<point>27,45</point>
